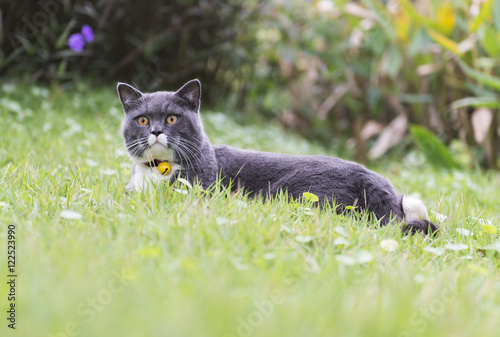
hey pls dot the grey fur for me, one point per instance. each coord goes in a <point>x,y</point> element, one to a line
<point>333,180</point>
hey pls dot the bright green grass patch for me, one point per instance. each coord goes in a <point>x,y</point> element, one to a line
<point>167,263</point>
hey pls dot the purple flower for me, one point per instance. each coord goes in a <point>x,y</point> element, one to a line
<point>88,33</point>
<point>76,42</point>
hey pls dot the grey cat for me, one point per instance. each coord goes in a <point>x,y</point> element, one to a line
<point>166,127</point>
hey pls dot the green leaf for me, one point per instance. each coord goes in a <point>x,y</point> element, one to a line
<point>482,16</point>
<point>310,197</point>
<point>150,251</point>
<point>409,8</point>
<point>446,17</point>
<point>490,229</point>
<point>394,62</point>
<point>490,42</point>
<point>488,80</point>
<point>488,102</point>
<point>433,148</point>
<point>496,15</point>
<point>478,269</point>
<point>444,41</point>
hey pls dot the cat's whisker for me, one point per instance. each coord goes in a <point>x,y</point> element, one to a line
<point>182,154</point>
<point>185,155</point>
<point>191,145</point>
<point>137,141</point>
<point>124,144</point>
<point>191,152</point>
<point>122,161</point>
<point>131,148</point>
<point>191,156</point>
<point>136,147</point>
<point>194,148</point>
<point>195,154</point>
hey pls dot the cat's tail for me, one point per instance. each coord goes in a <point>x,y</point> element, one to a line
<point>416,217</point>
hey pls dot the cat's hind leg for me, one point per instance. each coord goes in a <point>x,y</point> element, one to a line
<point>388,206</point>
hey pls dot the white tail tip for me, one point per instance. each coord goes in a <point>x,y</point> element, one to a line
<point>414,209</point>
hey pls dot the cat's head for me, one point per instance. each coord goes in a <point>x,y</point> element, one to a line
<point>162,126</point>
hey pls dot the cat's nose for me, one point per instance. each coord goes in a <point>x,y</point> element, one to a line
<point>156,133</point>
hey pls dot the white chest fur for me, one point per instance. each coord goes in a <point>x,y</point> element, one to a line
<point>143,176</point>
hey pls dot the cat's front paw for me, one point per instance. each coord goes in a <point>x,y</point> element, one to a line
<point>130,188</point>
<point>420,226</point>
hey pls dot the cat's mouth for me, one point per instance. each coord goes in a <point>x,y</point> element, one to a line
<point>153,163</point>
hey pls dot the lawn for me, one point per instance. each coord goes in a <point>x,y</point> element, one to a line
<point>94,261</point>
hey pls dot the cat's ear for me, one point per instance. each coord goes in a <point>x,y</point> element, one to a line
<point>191,92</point>
<point>129,96</point>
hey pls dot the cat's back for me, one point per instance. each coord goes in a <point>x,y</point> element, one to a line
<point>267,173</point>
<point>276,165</point>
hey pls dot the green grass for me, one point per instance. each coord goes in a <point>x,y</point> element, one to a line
<point>172,264</point>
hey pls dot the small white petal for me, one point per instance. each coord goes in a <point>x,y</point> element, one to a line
<point>346,259</point>
<point>341,231</point>
<point>463,231</point>
<point>91,163</point>
<point>185,182</point>
<point>303,238</point>
<point>495,246</point>
<point>456,246</point>
<point>222,221</point>
<point>363,256</point>
<point>325,6</point>
<point>440,217</point>
<point>437,251</point>
<point>340,241</point>
<point>70,215</point>
<point>419,278</point>
<point>389,245</point>
<point>108,172</point>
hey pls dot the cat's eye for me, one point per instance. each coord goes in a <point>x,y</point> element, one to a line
<point>172,119</point>
<point>143,120</point>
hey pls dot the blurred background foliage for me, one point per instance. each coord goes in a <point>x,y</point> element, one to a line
<point>371,74</point>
